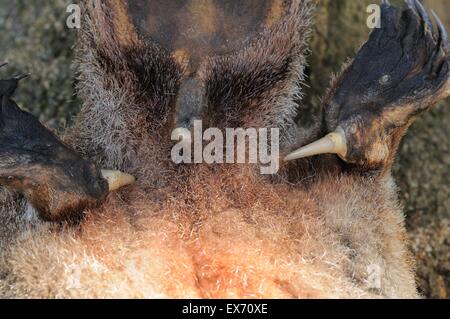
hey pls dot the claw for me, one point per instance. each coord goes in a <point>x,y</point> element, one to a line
<point>410,4</point>
<point>424,15</point>
<point>9,86</point>
<point>443,35</point>
<point>3,63</point>
<point>385,3</point>
<point>21,76</point>
<point>333,143</point>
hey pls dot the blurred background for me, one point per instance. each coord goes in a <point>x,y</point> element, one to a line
<point>34,38</point>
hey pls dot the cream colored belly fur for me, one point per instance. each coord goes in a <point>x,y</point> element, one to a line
<point>252,242</point>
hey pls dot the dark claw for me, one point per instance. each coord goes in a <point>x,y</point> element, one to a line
<point>410,4</point>
<point>21,76</point>
<point>3,63</point>
<point>418,9</point>
<point>8,87</point>
<point>424,15</point>
<point>443,35</point>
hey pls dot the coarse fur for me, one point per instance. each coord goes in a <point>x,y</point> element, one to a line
<point>316,230</point>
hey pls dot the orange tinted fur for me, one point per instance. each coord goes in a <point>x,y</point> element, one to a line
<point>230,234</point>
